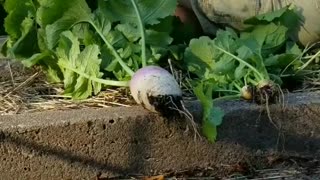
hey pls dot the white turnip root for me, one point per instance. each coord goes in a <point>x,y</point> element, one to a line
<point>158,91</point>
<point>155,88</point>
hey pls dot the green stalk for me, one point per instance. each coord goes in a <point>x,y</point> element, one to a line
<point>102,81</point>
<point>237,86</point>
<point>143,36</point>
<point>252,81</point>
<point>308,62</point>
<point>260,76</point>
<point>118,58</point>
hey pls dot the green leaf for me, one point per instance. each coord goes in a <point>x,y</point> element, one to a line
<point>117,39</point>
<point>224,64</point>
<point>20,26</point>
<point>53,71</point>
<point>209,131</point>
<point>212,116</point>
<point>275,39</point>
<point>77,66</point>
<point>204,59</point>
<point>50,11</point>
<point>129,31</point>
<point>18,11</point>
<point>240,71</point>
<point>41,40</point>
<point>35,59</point>
<point>78,12</point>
<point>270,37</point>
<point>288,62</point>
<point>88,63</point>
<point>293,48</point>
<point>165,25</point>
<point>288,16</point>
<point>160,39</point>
<point>266,17</point>
<point>25,45</point>
<point>198,56</point>
<point>102,22</point>
<point>67,53</point>
<point>151,11</point>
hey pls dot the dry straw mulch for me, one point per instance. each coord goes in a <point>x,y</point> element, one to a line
<point>24,90</point>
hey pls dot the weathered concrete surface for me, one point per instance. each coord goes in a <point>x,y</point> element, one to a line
<point>83,144</point>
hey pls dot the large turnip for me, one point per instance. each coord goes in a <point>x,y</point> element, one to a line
<point>158,91</point>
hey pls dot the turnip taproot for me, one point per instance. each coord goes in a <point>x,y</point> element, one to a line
<point>156,89</point>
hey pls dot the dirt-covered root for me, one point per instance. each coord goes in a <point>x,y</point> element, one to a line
<point>165,104</point>
<point>267,93</point>
<point>172,107</point>
<point>264,93</point>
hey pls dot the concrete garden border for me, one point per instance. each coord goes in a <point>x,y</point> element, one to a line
<point>90,143</point>
<point>86,143</point>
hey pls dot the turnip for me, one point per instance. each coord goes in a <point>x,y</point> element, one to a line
<point>262,89</point>
<point>156,89</point>
<point>266,92</point>
<point>246,92</point>
<point>262,92</point>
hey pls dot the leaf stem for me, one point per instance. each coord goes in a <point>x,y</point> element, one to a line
<point>250,80</point>
<point>241,61</point>
<point>142,31</point>
<point>237,86</point>
<point>308,62</point>
<point>118,58</point>
<point>102,81</point>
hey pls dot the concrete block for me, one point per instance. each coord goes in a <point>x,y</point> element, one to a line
<point>90,143</point>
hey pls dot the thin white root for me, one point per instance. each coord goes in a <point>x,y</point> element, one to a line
<point>281,94</point>
<point>268,112</point>
<point>188,116</point>
<point>184,110</point>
